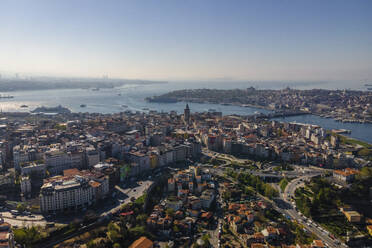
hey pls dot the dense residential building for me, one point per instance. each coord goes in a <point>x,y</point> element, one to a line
<point>75,160</point>
<point>6,235</point>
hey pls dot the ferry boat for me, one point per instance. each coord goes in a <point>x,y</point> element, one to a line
<point>6,96</point>
<point>342,131</point>
<point>24,106</point>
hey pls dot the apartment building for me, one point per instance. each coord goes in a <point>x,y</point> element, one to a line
<point>92,156</point>
<point>347,175</point>
<point>75,190</point>
<point>25,185</point>
<point>56,161</point>
<point>6,235</point>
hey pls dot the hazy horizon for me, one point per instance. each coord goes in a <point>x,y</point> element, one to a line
<point>295,41</point>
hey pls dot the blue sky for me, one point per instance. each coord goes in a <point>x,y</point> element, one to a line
<point>201,39</point>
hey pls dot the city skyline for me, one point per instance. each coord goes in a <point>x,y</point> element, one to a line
<point>194,40</point>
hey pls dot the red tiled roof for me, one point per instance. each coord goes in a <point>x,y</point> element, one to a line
<point>142,242</point>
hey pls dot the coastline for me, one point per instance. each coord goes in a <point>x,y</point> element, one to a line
<point>320,102</point>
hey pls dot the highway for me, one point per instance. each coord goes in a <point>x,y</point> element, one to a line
<point>310,226</point>
<point>294,215</point>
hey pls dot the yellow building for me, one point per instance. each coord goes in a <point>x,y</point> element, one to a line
<point>369,229</point>
<point>153,161</point>
<point>353,216</point>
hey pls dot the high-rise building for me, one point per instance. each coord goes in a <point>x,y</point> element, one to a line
<point>187,114</point>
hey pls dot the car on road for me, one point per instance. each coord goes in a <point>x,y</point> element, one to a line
<point>14,212</point>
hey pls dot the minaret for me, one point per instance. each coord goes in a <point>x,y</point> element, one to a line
<point>186,114</point>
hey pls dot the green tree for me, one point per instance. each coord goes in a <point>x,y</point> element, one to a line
<point>283,183</point>
<point>270,192</point>
<point>249,190</point>
<point>140,200</point>
<point>21,207</point>
<point>365,152</point>
<point>170,211</point>
<point>365,173</point>
<point>27,236</point>
<point>137,232</point>
<point>176,229</point>
<point>113,232</point>
<point>20,236</point>
<point>116,245</point>
<point>141,218</point>
<point>226,195</point>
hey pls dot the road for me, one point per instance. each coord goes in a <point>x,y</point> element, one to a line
<point>214,234</point>
<point>129,193</point>
<point>289,191</point>
<point>298,170</point>
<point>37,220</point>
<point>310,226</point>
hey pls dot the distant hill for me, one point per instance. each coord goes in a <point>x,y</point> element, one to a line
<point>65,83</point>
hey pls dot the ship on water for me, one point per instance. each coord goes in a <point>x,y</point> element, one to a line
<point>6,96</point>
<point>58,110</point>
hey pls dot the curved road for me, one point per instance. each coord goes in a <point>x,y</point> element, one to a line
<point>311,227</point>
<point>288,192</point>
